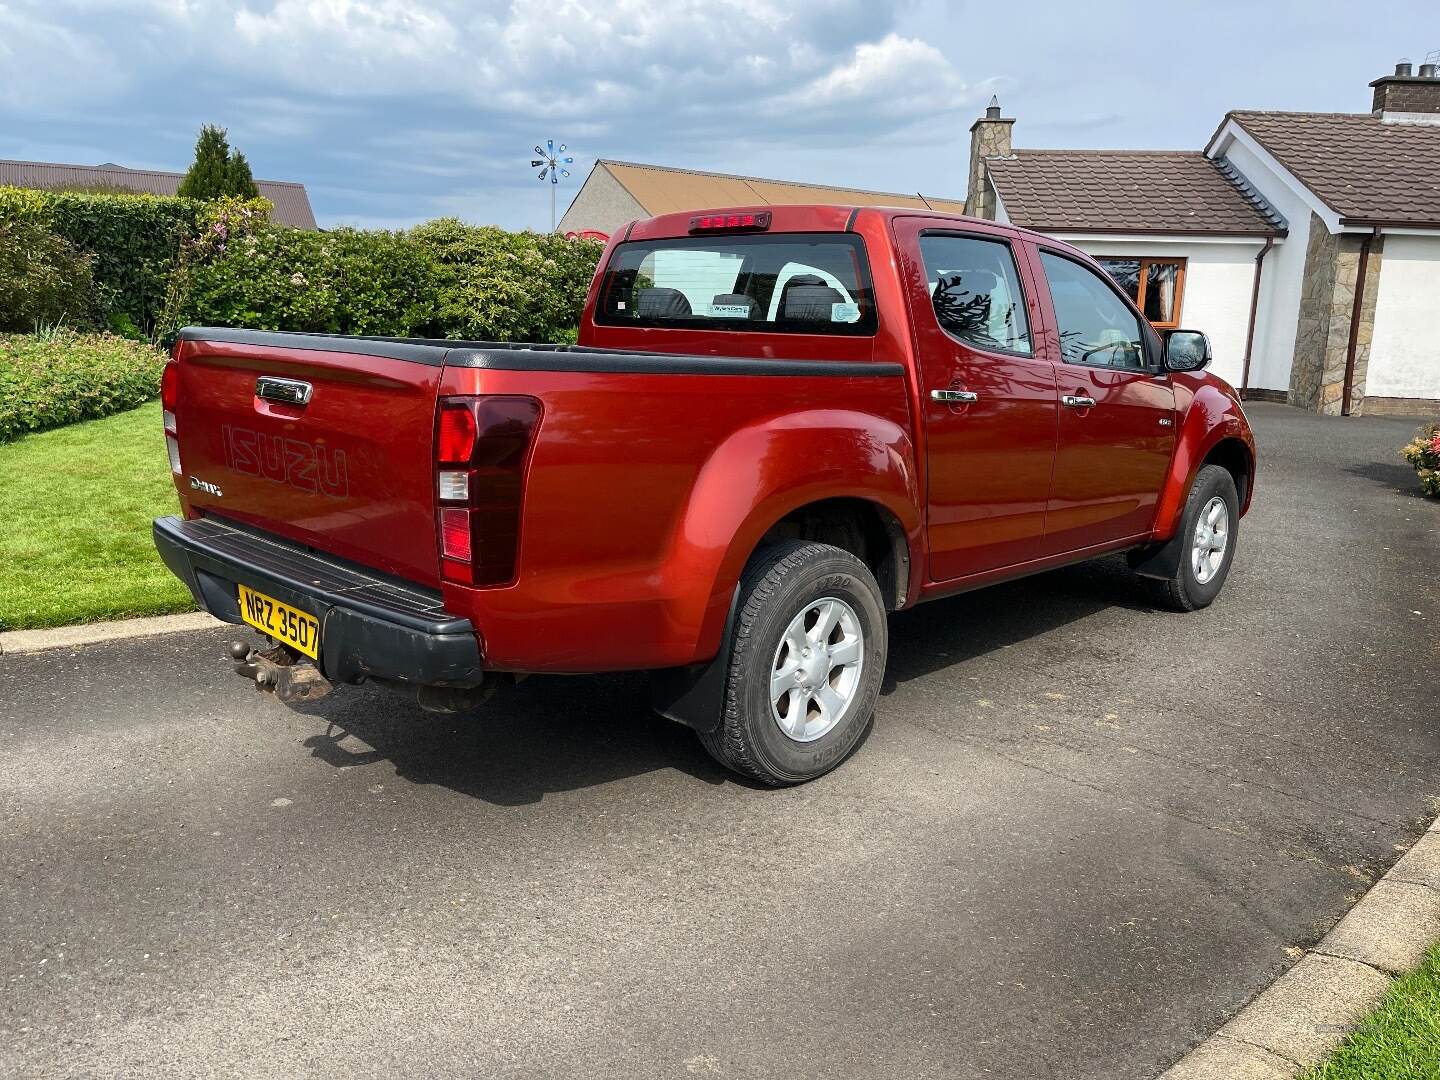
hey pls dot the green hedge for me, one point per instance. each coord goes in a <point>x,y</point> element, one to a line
<point>134,241</point>
<point>54,379</point>
<point>160,263</point>
<point>442,279</point>
<point>43,279</point>
<point>344,282</point>
<point>493,285</point>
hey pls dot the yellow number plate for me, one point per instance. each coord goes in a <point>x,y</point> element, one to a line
<point>280,621</point>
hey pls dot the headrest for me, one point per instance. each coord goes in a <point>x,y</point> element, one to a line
<point>808,299</point>
<point>661,304</point>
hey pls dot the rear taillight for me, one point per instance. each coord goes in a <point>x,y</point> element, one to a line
<point>456,441</point>
<point>455,534</point>
<point>169,399</point>
<point>481,448</point>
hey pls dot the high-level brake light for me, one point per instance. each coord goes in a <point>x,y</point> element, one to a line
<point>748,221</point>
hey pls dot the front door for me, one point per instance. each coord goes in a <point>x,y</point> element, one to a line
<point>1117,411</point>
<point>989,404</point>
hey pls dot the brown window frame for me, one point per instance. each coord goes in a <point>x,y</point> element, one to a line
<point>1178,261</point>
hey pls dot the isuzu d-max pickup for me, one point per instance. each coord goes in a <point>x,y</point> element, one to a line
<point>779,424</point>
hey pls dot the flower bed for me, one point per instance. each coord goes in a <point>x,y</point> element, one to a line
<point>1423,452</point>
<point>47,380</point>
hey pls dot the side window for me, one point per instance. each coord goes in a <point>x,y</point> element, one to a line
<point>976,291</point>
<point>1096,327</point>
<point>1156,286</point>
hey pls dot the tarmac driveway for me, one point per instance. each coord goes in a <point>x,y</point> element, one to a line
<point>1082,833</point>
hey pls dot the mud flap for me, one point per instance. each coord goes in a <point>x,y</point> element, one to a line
<point>1158,560</point>
<point>694,695</point>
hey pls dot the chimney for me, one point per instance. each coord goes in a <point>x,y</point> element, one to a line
<point>1405,96</point>
<point>989,137</point>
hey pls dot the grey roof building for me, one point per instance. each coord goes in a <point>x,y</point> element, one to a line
<point>292,204</point>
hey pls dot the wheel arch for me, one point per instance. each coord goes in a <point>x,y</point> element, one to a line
<point>1213,430</point>
<point>863,498</point>
<point>865,528</point>
<point>1238,459</point>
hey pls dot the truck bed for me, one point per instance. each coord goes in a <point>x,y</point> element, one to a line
<point>639,490</point>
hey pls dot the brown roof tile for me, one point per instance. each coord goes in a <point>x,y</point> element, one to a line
<point>1156,191</point>
<point>1366,170</point>
<point>292,204</point>
<point>663,190</point>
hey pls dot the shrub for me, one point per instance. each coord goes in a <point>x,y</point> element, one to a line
<point>1423,452</point>
<point>225,221</point>
<point>217,171</point>
<point>493,285</point>
<point>134,240</point>
<point>46,281</point>
<point>61,377</point>
<point>344,282</point>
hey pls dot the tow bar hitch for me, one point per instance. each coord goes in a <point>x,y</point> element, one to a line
<point>280,671</point>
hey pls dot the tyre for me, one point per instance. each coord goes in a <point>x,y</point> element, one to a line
<point>1209,531</point>
<point>806,662</point>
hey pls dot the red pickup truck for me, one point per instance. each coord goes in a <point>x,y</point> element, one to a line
<point>778,424</point>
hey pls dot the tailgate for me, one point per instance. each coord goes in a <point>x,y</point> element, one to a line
<point>350,471</point>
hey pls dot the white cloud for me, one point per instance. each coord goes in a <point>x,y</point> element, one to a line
<point>423,98</point>
<point>892,66</point>
<point>616,61</point>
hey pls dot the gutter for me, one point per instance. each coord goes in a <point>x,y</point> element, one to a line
<point>1060,230</point>
<point>1351,343</point>
<point>1254,309</point>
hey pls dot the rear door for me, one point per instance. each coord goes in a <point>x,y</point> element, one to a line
<point>350,470</point>
<point>989,403</point>
<point>1117,410</point>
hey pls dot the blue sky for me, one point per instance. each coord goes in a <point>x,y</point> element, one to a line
<point>393,112</point>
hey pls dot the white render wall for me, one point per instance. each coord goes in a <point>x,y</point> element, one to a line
<point>1280,285</point>
<point>1405,346</point>
<point>1219,277</point>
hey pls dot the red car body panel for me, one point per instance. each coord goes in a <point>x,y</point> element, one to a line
<point>656,547</point>
<point>646,491</point>
<point>352,473</point>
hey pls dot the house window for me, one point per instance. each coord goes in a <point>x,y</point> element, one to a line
<point>1156,286</point>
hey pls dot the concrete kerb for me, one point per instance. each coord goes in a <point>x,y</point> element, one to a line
<point>1303,1015</point>
<point>69,637</point>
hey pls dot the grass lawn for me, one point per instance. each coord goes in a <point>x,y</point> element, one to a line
<point>76,504</point>
<point>1400,1040</point>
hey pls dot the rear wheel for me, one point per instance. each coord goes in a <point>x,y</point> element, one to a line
<point>1208,533</point>
<point>806,662</point>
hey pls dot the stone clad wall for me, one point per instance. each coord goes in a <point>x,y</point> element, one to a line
<point>1322,336</point>
<point>988,138</point>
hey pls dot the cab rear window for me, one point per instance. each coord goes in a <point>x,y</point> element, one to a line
<point>805,283</point>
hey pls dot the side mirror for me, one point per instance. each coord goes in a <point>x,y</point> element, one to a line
<point>1186,350</point>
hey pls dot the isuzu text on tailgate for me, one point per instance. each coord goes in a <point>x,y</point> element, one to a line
<point>779,424</point>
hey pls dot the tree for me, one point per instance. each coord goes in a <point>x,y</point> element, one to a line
<point>241,182</point>
<point>218,170</point>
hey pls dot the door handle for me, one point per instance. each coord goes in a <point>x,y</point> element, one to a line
<point>1077,401</point>
<point>954,396</point>
<point>283,391</point>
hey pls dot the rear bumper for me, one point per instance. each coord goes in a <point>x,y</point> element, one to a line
<point>371,626</point>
